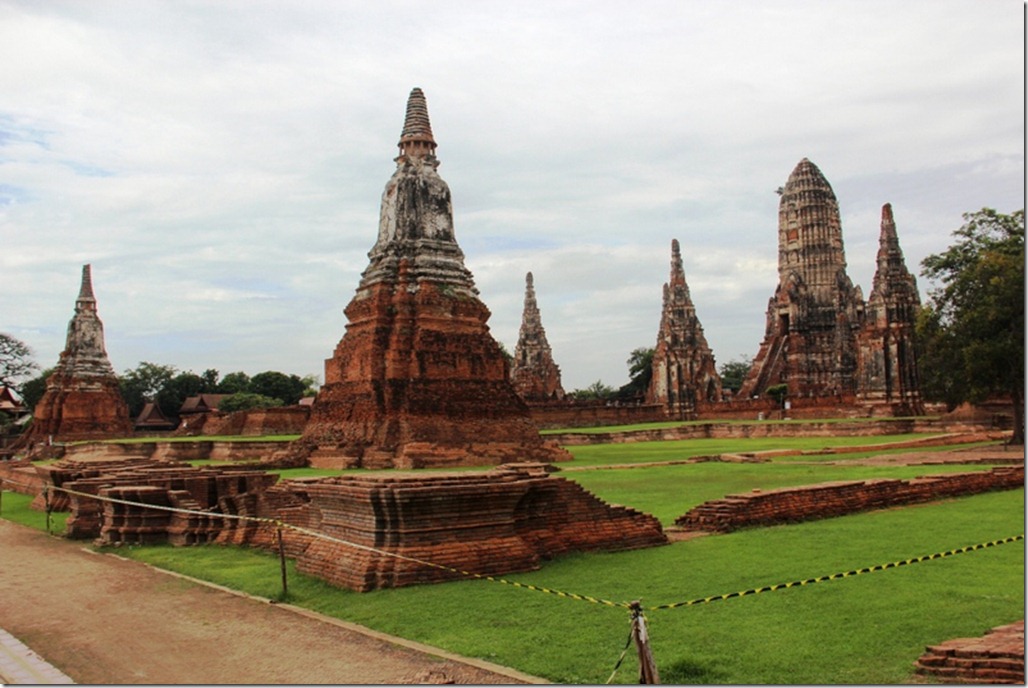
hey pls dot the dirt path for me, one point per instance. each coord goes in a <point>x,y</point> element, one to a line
<point>103,619</point>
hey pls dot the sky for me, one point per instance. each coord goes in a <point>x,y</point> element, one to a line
<point>220,164</point>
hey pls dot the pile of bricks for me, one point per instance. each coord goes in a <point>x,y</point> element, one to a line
<point>997,657</point>
<point>825,500</point>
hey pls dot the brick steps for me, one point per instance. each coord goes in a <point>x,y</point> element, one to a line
<point>997,657</point>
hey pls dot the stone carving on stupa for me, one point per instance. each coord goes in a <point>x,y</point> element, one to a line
<point>888,377</point>
<point>536,378</point>
<point>813,317</point>
<point>82,399</point>
<point>683,367</point>
<point>417,380</point>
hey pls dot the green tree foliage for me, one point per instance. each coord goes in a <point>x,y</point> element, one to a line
<point>234,383</point>
<point>145,382</point>
<point>777,392</point>
<point>243,401</point>
<point>289,388</point>
<point>15,360</point>
<point>32,390</point>
<point>597,391</point>
<point>971,331</point>
<point>177,390</point>
<point>734,372</point>
<point>640,372</point>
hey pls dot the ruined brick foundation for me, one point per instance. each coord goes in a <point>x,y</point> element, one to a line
<point>826,500</point>
<point>997,657</point>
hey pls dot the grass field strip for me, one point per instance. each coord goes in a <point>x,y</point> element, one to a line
<point>537,588</point>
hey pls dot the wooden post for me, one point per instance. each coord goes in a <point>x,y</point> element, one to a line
<point>647,667</point>
<point>282,561</point>
<point>46,500</point>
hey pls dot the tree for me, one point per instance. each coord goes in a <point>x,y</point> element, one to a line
<point>288,388</point>
<point>243,401</point>
<point>177,390</point>
<point>234,383</point>
<point>144,383</point>
<point>640,372</point>
<point>972,330</point>
<point>15,360</point>
<point>734,372</point>
<point>595,391</point>
<point>32,390</point>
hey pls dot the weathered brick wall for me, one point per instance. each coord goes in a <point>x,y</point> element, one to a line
<point>495,523</point>
<point>825,500</point>
<point>998,657</point>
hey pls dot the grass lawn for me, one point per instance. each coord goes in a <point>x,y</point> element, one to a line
<point>864,629</point>
<point>667,492</point>
<point>675,450</point>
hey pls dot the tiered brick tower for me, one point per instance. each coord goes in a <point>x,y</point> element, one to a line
<point>888,380</point>
<point>812,319</point>
<point>417,380</point>
<point>684,372</point>
<point>82,398</point>
<point>534,374</point>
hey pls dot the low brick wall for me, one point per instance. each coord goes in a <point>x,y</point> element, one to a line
<point>997,657</point>
<point>826,500</point>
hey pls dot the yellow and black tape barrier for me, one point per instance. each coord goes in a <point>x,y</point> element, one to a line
<point>551,591</point>
<point>836,576</point>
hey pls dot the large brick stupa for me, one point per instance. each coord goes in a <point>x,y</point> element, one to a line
<point>417,380</point>
<point>82,399</point>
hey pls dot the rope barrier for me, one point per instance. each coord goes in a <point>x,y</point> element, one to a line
<point>527,586</point>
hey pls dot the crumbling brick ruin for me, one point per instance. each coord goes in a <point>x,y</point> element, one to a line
<point>683,367</point>
<point>810,336</point>
<point>997,657</point>
<point>536,378</point>
<point>505,520</point>
<point>417,379</point>
<point>887,365</point>
<point>82,398</point>
<point>821,339</point>
<point>826,500</point>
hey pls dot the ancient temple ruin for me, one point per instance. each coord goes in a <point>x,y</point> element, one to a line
<point>821,338</point>
<point>683,367</point>
<point>812,319</point>
<point>82,398</point>
<point>533,373</point>
<point>888,379</point>
<point>417,380</point>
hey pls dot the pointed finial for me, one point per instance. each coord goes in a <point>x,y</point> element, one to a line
<point>86,298</point>
<point>416,139</point>
<point>528,280</point>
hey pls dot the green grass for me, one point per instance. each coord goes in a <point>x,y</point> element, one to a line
<point>667,492</point>
<point>864,629</point>
<point>14,506</point>
<point>676,450</point>
<point>657,425</point>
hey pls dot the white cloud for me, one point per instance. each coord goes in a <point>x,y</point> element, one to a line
<point>221,163</point>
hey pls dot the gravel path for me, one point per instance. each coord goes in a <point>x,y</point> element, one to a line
<point>106,620</point>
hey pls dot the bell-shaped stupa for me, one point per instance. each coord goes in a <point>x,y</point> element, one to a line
<point>83,398</point>
<point>417,380</point>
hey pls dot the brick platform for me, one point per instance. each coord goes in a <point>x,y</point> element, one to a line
<point>996,657</point>
<point>825,500</point>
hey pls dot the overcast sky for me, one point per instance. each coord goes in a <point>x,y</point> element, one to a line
<point>220,164</point>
